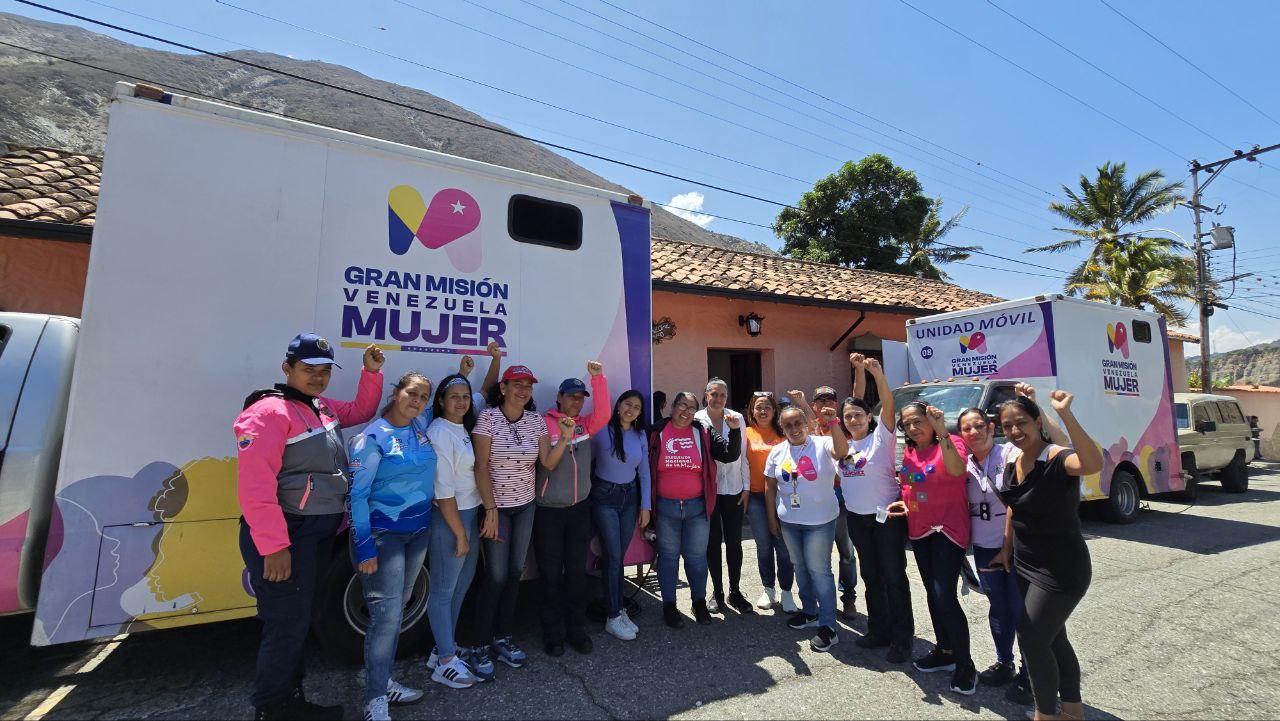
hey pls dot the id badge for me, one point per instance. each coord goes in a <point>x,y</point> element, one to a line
<point>984,511</point>
<point>795,500</point>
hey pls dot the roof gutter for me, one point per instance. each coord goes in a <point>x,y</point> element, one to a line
<point>791,299</point>
<point>46,230</point>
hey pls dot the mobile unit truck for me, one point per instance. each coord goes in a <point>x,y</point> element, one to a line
<point>223,232</point>
<point>1114,360</point>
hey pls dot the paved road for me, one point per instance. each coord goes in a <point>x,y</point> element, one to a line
<point>1180,623</point>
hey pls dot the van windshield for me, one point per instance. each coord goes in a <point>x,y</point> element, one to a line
<point>1183,416</point>
<point>951,399</point>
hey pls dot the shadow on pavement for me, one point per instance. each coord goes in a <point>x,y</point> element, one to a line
<point>1166,524</point>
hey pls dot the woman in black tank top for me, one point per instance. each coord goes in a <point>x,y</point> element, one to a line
<point>1044,539</point>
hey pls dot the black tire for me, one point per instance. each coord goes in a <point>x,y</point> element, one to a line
<point>1235,477</point>
<point>1122,503</point>
<point>1192,491</point>
<point>340,616</point>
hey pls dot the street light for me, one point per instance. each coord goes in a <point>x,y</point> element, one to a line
<point>752,322</point>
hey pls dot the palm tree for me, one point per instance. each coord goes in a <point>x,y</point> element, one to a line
<point>921,250</point>
<point>1145,272</point>
<point>1121,268</point>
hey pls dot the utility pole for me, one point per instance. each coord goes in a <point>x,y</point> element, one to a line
<point>1203,281</point>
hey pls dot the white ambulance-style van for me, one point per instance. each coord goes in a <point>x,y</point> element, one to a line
<point>1114,360</point>
<point>223,232</point>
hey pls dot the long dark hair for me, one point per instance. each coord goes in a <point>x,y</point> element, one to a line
<point>923,410</point>
<point>405,380</point>
<point>750,411</point>
<point>494,397</point>
<point>857,403</point>
<point>437,405</point>
<point>1026,405</point>
<point>615,424</point>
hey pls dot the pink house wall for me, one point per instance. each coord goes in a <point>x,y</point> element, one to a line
<point>794,341</point>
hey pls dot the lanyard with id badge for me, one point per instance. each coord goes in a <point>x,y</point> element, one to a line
<point>790,476</point>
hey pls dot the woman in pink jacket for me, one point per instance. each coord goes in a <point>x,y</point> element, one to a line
<point>292,486</point>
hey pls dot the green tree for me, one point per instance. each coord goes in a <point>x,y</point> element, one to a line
<point>856,216</point>
<point>921,248</point>
<point>1122,268</point>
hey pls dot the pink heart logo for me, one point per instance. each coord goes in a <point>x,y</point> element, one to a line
<point>804,467</point>
<point>452,214</point>
<point>978,342</point>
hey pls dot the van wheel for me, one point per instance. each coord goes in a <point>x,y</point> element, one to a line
<point>1122,503</point>
<point>1235,477</point>
<point>341,616</point>
<point>1192,491</point>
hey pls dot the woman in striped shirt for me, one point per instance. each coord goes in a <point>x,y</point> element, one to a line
<point>510,439</point>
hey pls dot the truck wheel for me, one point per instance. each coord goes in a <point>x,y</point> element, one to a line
<point>1122,503</point>
<point>1235,477</point>
<point>341,617</point>
<point>1192,491</point>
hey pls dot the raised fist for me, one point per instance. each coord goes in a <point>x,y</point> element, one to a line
<point>595,368</point>
<point>495,350</point>
<point>373,358</point>
<point>466,365</point>
<point>857,359</point>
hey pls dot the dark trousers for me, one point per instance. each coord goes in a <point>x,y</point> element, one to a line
<point>938,560</point>
<point>883,555</point>
<point>284,607</point>
<point>1050,659</point>
<point>495,605</point>
<point>726,528</point>
<point>560,538</point>
<point>1005,600</point>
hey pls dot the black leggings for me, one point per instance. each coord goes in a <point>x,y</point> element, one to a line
<point>1047,653</point>
<point>938,560</point>
<point>726,527</point>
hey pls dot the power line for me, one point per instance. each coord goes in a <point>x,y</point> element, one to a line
<point>1184,59</point>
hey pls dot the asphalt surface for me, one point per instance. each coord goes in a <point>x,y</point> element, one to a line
<point>1180,622</point>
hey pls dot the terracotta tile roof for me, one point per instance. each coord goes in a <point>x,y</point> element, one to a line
<point>1184,337</point>
<point>54,186</point>
<point>730,271</point>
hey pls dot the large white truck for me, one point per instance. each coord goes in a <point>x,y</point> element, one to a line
<point>1115,361</point>
<point>223,232</point>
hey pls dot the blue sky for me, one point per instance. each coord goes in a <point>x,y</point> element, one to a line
<point>834,81</point>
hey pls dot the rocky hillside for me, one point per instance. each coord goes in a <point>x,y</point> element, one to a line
<point>49,103</point>
<point>1256,364</point>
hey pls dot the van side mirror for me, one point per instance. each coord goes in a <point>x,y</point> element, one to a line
<point>1206,426</point>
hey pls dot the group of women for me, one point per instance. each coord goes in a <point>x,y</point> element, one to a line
<point>435,478</point>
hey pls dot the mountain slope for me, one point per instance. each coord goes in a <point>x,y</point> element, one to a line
<point>1256,364</point>
<point>45,102</point>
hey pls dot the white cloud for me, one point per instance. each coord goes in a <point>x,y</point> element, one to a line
<point>1224,338</point>
<point>686,206</point>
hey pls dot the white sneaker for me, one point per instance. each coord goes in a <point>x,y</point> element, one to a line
<point>618,628</point>
<point>630,624</point>
<point>434,659</point>
<point>376,710</point>
<point>454,674</point>
<point>789,602</point>
<point>766,600</point>
<point>400,695</point>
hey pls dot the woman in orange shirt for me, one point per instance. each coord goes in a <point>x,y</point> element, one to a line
<point>763,433</point>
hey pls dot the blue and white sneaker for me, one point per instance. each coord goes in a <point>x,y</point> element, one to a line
<point>400,695</point>
<point>454,674</point>
<point>509,653</point>
<point>434,659</point>
<point>478,660</point>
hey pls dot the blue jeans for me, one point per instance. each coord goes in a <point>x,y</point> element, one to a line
<point>450,576</point>
<point>769,549</point>
<point>683,530</point>
<point>400,558</point>
<point>615,507</point>
<point>848,579</point>
<point>810,548</point>
<point>1002,592</point>
<point>503,566</point>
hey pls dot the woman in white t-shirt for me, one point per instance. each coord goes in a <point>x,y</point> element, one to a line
<point>801,475</point>
<point>870,483</point>
<point>733,489</point>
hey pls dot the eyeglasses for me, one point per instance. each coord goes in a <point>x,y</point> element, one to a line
<point>684,407</point>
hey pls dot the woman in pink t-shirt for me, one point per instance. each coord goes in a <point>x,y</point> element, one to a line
<point>933,481</point>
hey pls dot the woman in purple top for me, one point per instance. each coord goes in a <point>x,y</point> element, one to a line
<point>620,491</point>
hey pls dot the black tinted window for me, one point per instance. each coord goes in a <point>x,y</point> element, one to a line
<point>1141,331</point>
<point>1230,412</point>
<point>544,222</point>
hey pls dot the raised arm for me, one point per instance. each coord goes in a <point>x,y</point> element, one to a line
<point>601,404</point>
<point>727,450</point>
<point>495,364</point>
<point>1051,427</point>
<point>798,400</point>
<point>830,419</point>
<point>950,456</point>
<point>887,418</point>
<point>1087,458</point>
<point>368,393</point>
<point>857,361</point>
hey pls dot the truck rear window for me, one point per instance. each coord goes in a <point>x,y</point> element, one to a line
<point>544,222</point>
<point>1230,412</point>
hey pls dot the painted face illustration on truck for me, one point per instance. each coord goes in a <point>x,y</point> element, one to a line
<point>451,216</point>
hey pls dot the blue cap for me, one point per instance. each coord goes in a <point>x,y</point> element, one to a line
<point>311,349</point>
<point>573,385</point>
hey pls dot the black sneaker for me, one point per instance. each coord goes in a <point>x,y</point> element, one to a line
<point>824,639</point>
<point>871,642</point>
<point>278,711</point>
<point>935,661</point>
<point>998,674</point>
<point>672,616</point>
<point>701,614</point>
<point>965,679</point>
<point>581,645</point>
<point>554,649</point>
<point>298,707</point>
<point>800,620</point>
<point>740,603</point>
<point>899,652</point>
<point>1019,691</point>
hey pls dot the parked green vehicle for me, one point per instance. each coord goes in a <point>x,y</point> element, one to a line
<point>1214,438</point>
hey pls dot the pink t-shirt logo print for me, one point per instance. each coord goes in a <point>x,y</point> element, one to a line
<point>452,215</point>
<point>804,467</point>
